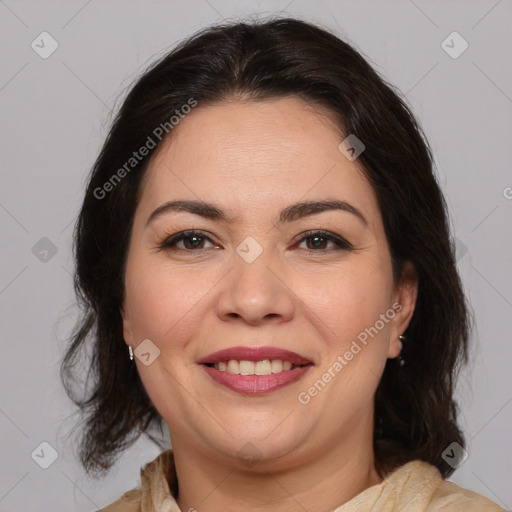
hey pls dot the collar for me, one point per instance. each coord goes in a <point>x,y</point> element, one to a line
<point>411,485</point>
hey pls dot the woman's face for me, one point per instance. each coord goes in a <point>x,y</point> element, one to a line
<point>254,279</point>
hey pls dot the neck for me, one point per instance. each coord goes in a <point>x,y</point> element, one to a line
<point>321,482</point>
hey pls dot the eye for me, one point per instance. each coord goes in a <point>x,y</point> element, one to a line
<point>319,238</point>
<point>193,240</point>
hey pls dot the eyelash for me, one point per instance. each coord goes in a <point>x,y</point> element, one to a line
<point>170,242</point>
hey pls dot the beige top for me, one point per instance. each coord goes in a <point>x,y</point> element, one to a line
<point>414,487</point>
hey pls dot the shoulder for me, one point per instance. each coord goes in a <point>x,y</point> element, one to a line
<point>130,501</point>
<point>419,485</point>
<point>452,497</point>
<point>154,478</point>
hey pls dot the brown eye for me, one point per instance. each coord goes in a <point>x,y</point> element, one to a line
<point>316,241</point>
<point>192,240</point>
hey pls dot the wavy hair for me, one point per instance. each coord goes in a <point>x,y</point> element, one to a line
<point>415,411</point>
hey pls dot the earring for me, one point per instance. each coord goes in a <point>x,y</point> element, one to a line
<point>401,339</point>
<point>131,366</point>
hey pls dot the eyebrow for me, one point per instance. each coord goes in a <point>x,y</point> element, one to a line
<point>289,214</point>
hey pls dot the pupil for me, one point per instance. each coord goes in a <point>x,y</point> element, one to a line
<point>196,238</point>
<point>315,239</point>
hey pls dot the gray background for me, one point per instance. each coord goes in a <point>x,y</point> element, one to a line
<point>55,115</point>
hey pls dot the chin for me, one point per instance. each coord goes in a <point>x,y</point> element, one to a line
<point>265,452</point>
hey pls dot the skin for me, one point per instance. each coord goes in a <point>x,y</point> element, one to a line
<point>252,159</point>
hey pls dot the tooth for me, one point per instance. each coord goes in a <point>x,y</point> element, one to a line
<point>263,367</point>
<point>233,366</point>
<point>276,365</point>
<point>246,367</point>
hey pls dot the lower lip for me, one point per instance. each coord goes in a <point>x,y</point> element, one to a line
<point>256,384</point>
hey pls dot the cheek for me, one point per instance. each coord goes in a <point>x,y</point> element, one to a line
<point>164,306</point>
<point>346,299</point>
<point>357,341</point>
<point>162,300</point>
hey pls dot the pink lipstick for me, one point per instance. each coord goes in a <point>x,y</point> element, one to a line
<point>255,371</point>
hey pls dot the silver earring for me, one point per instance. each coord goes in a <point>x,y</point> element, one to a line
<point>130,352</point>
<point>401,339</point>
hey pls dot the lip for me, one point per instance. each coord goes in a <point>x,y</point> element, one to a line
<point>255,354</point>
<point>255,384</point>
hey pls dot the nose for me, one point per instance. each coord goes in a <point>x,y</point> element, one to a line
<point>256,291</point>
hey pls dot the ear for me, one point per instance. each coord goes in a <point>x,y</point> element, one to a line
<point>404,303</point>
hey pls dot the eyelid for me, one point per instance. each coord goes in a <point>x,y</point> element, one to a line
<point>341,242</point>
<point>170,241</point>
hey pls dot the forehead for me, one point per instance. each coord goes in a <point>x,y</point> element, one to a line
<point>254,154</point>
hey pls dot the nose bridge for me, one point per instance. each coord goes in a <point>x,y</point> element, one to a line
<point>255,289</point>
<point>253,262</point>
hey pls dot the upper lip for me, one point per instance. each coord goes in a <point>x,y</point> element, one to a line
<point>254,354</point>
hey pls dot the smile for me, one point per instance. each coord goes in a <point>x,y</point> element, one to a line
<point>265,367</point>
<point>255,370</point>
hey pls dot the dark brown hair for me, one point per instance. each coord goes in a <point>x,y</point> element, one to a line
<point>415,412</point>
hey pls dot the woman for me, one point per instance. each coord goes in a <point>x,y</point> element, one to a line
<point>264,238</point>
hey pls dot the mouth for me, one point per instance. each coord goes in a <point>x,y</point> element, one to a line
<point>255,371</point>
<point>263,367</point>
